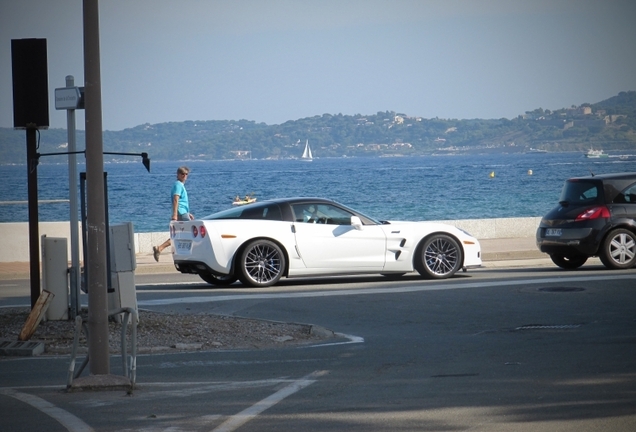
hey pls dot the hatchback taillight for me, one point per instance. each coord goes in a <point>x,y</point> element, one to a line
<point>202,230</point>
<point>594,213</point>
<point>195,231</point>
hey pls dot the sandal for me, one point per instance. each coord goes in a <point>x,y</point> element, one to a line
<point>155,253</point>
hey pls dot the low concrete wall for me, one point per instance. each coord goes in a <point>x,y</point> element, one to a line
<point>15,236</point>
<point>15,239</point>
<point>499,227</point>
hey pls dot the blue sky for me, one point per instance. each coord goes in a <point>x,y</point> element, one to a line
<point>277,60</point>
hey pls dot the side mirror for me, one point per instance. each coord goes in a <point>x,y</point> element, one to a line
<point>356,223</point>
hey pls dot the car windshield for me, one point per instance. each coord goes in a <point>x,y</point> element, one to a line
<point>577,191</point>
<point>267,211</point>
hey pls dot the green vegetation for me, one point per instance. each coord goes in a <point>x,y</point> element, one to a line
<point>608,125</point>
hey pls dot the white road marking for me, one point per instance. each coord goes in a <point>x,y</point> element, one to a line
<point>209,363</point>
<point>393,290</point>
<point>351,340</point>
<point>66,419</point>
<point>180,390</point>
<point>248,414</point>
<point>174,390</point>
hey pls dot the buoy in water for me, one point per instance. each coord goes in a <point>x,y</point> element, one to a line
<point>492,174</point>
<point>529,172</point>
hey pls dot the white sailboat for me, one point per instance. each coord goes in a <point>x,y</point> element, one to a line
<point>307,157</point>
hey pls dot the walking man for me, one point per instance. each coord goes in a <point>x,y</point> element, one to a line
<point>180,206</point>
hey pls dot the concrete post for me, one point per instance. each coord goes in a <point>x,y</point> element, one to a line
<point>95,207</point>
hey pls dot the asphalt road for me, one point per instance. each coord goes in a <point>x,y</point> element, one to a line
<point>523,349</point>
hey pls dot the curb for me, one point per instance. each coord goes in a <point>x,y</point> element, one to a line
<point>513,255</point>
<point>146,264</point>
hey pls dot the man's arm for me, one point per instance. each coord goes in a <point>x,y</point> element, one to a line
<point>175,207</point>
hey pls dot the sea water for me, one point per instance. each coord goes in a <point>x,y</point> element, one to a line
<point>394,188</point>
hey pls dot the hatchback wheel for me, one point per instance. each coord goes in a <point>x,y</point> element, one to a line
<point>618,250</point>
<point>568,262</point>
<point>439,257</point>
<point>261,263</point>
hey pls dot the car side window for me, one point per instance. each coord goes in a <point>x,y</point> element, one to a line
<point>268,213</point>
<point>331,215</point>
<point>303,212</point>
<point>321,214</point>
<point>626,196</point>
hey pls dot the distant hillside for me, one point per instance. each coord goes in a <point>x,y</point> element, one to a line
<point>609,124</point>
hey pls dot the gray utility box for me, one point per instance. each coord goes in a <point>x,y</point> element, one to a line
<point>122,267</point>
<point>122,248</point>
<point>55,276</point>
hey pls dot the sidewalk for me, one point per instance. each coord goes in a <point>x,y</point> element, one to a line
<point>507,252</point>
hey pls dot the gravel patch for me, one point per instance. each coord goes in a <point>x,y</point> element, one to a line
<point>167,332</point>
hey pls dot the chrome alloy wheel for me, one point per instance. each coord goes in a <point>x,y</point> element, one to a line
<point>440,257</point>
<point>262,263</point>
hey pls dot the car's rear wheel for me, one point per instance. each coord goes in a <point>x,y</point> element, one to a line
<point>393,276</point>
<point>568,262</point>
<point>439,257</point>
<point>618,250</point>
<point>218,280</point>
<point>261,263</point>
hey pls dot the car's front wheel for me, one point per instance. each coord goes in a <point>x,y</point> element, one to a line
<point>218,280</point>
<point>261,263</point>
<point>618,250</point>
<point>439,257</point>
<point>568,262</point>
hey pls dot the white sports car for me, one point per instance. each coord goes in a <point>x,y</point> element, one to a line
<point>260,243</point>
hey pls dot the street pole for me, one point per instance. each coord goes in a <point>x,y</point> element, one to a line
<point>72,188</point>
<point>34,237</point>
<point>95,203</point>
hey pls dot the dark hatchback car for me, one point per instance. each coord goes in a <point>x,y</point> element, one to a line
<point>596,216</point>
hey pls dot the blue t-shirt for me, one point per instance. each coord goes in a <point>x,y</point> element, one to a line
<point>179,189</point>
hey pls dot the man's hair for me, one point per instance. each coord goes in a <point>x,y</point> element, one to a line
<point>183,170</point>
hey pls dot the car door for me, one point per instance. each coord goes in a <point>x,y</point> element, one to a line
<point>325,239</point>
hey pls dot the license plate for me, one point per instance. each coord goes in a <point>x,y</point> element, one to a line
<point>553,232</point>
<point>183,246</point>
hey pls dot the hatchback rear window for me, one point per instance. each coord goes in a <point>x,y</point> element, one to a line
<point>580,192</point>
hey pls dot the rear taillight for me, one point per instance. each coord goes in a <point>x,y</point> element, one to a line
<point>195,231</point>
<point>594,213</point>
<point>202,230</point>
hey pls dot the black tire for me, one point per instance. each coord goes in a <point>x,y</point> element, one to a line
<point>393,276</point>
<point>439,257</point>
<point>568,262</point>
<point>260,264</point>
<point>218,280</point>
<point>618,250</point>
